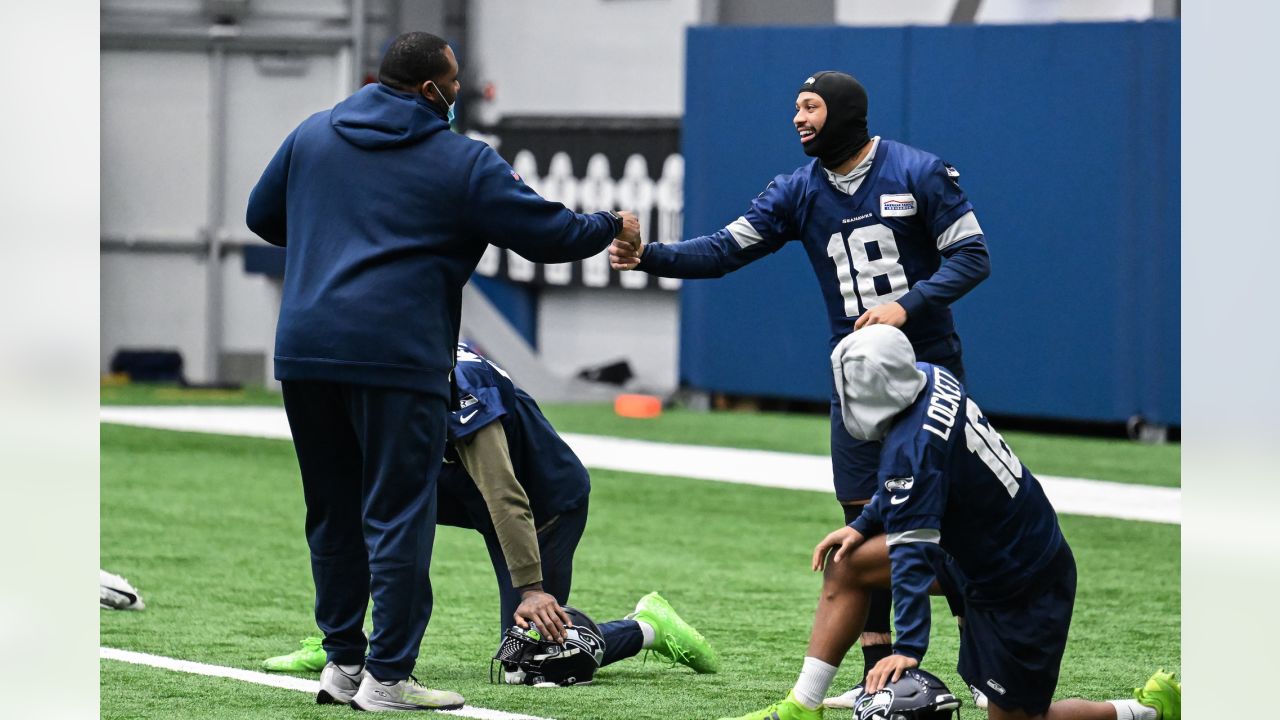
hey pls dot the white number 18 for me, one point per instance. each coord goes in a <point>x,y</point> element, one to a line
<point>857,272</point>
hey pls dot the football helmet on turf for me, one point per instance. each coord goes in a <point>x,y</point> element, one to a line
<point>528,658</point>
<point>917,695</point>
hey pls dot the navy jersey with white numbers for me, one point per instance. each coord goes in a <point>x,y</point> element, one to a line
<point>948,480</point>
<point>884,243</point>
<point>551,474</point>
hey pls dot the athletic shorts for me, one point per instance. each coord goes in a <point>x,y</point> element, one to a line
<point>855,463</point>
<point>1012,651</point>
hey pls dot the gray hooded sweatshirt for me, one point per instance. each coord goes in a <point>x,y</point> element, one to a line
<point>876,378</point>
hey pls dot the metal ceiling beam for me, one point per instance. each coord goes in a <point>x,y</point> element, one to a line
<point>232,38</point>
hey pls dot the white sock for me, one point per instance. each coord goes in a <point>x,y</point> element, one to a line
<point>649,634</point>
<point>1133,710</point>
<point>351,669</point>
<point>815,679</point>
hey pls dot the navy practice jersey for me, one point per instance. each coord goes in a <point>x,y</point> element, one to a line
<point>947,479</point>
<point>551,474</point>
<point>884,243</point>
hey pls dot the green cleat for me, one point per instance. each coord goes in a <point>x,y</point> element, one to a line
<point>311,658</point>
<point>789,709</point>
<point>1163,693</point>
<point>675,639</point>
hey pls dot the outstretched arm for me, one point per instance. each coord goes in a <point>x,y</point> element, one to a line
<point>765,228</point>
<point>508,213</point>
<point>487,460</point>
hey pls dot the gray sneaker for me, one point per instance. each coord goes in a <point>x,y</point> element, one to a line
<point>337,686</point>
<point>407,694</point>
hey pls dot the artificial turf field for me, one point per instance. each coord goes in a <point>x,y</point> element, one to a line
<point>209,528</point>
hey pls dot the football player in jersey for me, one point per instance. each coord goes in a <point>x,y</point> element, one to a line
<point>956,513</point>
<point>511,477</point>
<point>892,240</point>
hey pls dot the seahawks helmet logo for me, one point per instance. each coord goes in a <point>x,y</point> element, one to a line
<point>902,483</point>
<point>873,707</point>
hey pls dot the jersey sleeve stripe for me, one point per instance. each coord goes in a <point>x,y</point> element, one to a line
<point>743,233</point>
<point>965,226</point>
<point>920,535</point>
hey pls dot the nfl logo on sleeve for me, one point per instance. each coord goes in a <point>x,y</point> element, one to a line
<point>897,205</point>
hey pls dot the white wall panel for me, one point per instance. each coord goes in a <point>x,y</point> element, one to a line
<point>582,327</point>
<point>155,183</point>
<point>155,143</point>
<point>1030,11</point>
<point>154,300</point>
<point>900,12</point>
<point>938,12</point>
<point>251,304</point>
<point>594,57</point>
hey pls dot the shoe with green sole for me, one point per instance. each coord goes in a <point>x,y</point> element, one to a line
<point>675,639</point>
<point>309,658</point>
<point>1163,693</point>
<point>788,709</point>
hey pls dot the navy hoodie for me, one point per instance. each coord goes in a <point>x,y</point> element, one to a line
<point>384,214</point>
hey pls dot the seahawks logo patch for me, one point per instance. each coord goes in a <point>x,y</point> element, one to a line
<point>902,483</point>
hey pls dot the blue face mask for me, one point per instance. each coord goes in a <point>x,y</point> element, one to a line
<point>452,105</point>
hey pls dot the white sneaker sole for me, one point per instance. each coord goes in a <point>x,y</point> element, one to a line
<point>399,707</point>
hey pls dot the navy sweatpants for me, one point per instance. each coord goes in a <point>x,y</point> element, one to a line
<point>556,544</point>
<point>369,458</point>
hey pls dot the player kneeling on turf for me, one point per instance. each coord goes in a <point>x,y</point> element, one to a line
<point>509,475</point>
<point>955,513</point>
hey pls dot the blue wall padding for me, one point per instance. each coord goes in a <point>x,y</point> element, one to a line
<point>1067,140</point>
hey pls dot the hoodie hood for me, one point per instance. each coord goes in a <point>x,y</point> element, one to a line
<point>378,117</point>
<point>876,378</point>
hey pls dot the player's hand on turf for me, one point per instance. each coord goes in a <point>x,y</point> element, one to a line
<point>845,541</point>
<point>889,670</point>
<point>888,314</point>
<point>543,610</point>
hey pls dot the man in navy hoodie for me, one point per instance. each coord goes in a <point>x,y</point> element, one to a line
<point>384,214</point>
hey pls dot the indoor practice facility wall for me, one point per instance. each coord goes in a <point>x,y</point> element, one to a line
<point>1067,140</point>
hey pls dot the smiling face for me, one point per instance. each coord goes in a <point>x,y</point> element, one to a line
<point>811,115</point>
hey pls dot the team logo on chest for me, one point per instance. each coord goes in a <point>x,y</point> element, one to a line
<point>897,205</point>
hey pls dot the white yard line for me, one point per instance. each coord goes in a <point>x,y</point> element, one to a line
<point>794,471</point>
<point>288,682</point>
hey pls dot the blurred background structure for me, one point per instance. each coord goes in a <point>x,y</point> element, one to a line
<point>1062,116</point>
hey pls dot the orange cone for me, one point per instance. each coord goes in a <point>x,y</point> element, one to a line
<point>638,406</point>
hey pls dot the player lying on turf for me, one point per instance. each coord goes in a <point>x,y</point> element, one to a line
<point>508,475</point>
<point>956,513</point>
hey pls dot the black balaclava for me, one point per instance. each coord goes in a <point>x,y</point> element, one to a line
<point>845,131</point>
